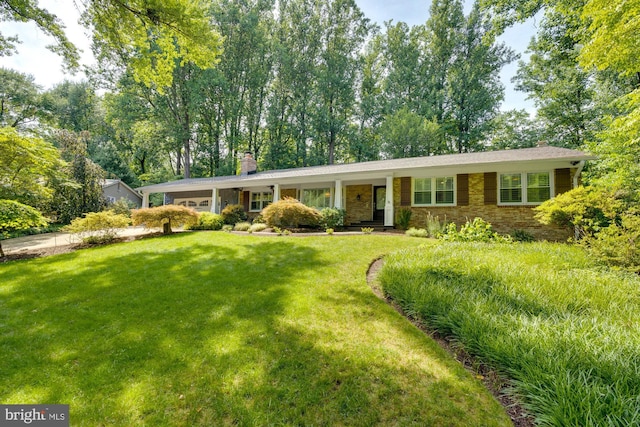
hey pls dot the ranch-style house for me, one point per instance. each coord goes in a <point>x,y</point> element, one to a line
<point>502,187</point>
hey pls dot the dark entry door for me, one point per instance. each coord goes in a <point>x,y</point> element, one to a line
<point>379,200</point>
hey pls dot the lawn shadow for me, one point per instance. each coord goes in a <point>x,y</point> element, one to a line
<point>186,332</point>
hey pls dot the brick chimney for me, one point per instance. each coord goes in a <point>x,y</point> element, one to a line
<point>248,164</point>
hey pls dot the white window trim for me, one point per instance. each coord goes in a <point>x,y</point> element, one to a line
<point>433,191</point>
<point>523,180</point>
<point>262,201</point>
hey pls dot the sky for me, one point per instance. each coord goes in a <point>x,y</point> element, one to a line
<point>46,67</point>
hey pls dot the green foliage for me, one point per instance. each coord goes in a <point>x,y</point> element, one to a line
<point>153,38</point>
<point>242,226</point>
<point>561,328</point>
<point>332,218</point>
<point>258,220</point>
<point>164,217</point>
<point>477,230</point>
<point>207,221</point>
<point>257,227</point>
<point>417,232</point>
<point>122,206</point>
<point>407,134</point>
<point>329,231</point>
<point>367,230</point>
<point>82,191</point>
<point>587,209</point>
<point>618,244</point>
<point>291,213</point>
<point>232,214</point>
<point>27,164</point>
<point>227,228</point>
<point>404,218</point>
<point>16,216</point>
<point>29,10</point>
<point>98,227</point>
<point>435,227</point>
<point>522,236</point>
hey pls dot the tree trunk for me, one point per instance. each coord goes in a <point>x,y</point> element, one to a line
<point>166,228</point>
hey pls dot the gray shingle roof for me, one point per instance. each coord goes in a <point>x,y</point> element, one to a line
<point>547,153</point>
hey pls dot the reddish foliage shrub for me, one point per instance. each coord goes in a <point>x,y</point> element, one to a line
<point>164,216</point>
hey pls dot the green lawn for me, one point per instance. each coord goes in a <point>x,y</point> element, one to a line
<point>212,328</point>
<point>566,330</point>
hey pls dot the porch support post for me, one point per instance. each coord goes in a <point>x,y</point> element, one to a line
<point>276,192</point>
<point>214,201</point>
<point>388,204</point>
<point>145,200</point>
<point>337,195</point>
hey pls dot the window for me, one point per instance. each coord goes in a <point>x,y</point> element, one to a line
<point>433,191</point>
<point>317,197</point>
<point>538,187</point>
<point>513,190</point>
<point>260,201</point>
<point>204,204</point>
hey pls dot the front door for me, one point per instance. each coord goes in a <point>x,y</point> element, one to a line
<point>379,200</point>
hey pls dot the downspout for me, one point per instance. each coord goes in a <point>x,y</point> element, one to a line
<point>576,232</point>
<point>578,172</point>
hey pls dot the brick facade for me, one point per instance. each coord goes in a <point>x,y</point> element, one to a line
<point>504,219</point>
<point>359,210</point>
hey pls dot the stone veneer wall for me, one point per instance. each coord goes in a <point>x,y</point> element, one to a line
<point>504,219</point>
<point>359,210</point>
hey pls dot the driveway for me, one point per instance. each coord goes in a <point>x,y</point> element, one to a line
<point>54,240</point>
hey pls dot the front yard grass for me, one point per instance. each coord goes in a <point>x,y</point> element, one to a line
<point>565,330</point>
<point>213,328</point>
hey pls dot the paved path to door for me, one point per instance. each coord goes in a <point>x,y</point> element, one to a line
<point>52,240</point>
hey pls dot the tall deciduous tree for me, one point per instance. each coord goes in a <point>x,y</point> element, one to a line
<point>27,165</point>
<point>28,10</point>
<point>153,37</point>
<point>21,103</point>
<point>475,90</point>
<point>562,90</point>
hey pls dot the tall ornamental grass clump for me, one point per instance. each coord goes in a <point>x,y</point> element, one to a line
<point>565,331</point>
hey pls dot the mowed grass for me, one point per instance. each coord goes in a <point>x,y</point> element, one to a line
<point>210,328</point>
<point>566,331</point>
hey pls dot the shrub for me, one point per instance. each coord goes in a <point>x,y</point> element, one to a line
<point>587,210</point>
<point>242,226</point>
<point>477,230</point>
<point>258,220</point>
<point>257,227</point>
<point>232,214</point>
<point>164,216</point>
<point>290,212</point>
<point>332,218</point>
<point>98,227</point>
<point>417,232</point>
<point>207,221</point>
<point>16,216</point>
<point>329,231</point>
<point>122,207</point>
<point>227,228</point>
<point>367,230</point>
<point>404,218</point>
<point>522,236</point>
<point>618,245</point>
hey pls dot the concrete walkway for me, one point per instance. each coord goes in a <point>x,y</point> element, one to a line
<point>52,240</point>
